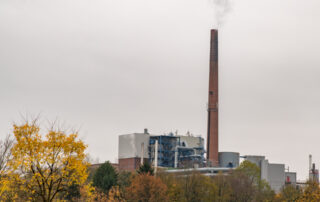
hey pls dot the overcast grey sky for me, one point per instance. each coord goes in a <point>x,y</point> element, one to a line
<point>112,67</point>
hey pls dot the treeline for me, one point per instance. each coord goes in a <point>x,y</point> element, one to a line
<point>240,185</point>
<point>51,165</point>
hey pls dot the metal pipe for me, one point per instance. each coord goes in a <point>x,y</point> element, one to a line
<point>310,163</point>
<point>142,153</point>
<point>212,169</point>
<point>155,157</point>
<point>176,157</point>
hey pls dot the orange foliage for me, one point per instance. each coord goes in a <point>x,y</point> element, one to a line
<point>146,188</point>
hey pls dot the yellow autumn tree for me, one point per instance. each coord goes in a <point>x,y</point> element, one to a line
<point>5,155</point>
<point>311,192</point>
<point>46,165</point>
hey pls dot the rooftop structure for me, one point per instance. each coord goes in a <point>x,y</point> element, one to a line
<point>173,150</point>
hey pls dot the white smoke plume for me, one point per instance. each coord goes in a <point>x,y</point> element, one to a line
<point>221,9</point>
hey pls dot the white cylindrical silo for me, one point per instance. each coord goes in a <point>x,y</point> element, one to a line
<point>229,159</point>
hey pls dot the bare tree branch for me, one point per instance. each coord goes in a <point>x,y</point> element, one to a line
<point>5,153</point>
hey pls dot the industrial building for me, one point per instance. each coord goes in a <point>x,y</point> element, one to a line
<point>175,151</point>
<point>273,173</point>
<point>131,150</point>
<point>291,178</point>
<point>184,153</point>
<point>313,172</point>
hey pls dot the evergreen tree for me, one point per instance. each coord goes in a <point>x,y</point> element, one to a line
<point>145,168</point>
<point>105,177</point>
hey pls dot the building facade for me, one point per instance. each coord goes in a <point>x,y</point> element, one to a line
<point>174,151</point>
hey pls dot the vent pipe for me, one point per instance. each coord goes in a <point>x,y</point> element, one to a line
<point>142,153</point>
<point>155,157</point>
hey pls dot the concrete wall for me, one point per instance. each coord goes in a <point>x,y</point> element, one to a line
<point>130,145</point>
<point>273,173</point>
<point>191,141</point>
<point>291,178</point>
<point>276,176</point>
<point>255,159</point>
<point>264,164</point>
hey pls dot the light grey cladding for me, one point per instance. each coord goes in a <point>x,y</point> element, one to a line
<point>291,178</point>
<point>276,176</point>
<point>130,145</point>
<point>229,159</point>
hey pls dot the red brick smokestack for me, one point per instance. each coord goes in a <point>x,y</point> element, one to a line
<point>212,138</point>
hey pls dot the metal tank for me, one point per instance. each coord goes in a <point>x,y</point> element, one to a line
<point>229,159</point>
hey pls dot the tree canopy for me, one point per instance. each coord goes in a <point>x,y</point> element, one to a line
<point>46,165</point>
<point>50,165</point>
<point>105,177</point>
<point>146,188</point>
<point>145,168</point>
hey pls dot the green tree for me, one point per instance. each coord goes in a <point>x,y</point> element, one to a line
<point>289,193</point>
<point>247,185</point>
<point>223,189</point>
<point>264,192</point>
<point>124,181</point>
<point>105,177</point>
<point>195,187</point>
<point>72,192</point>
<point>251,170</point>
<point>242,187</point>
<point>145,168</point>
<point>175,186</point>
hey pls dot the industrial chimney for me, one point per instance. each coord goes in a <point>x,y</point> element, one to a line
<point>212,137</point>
